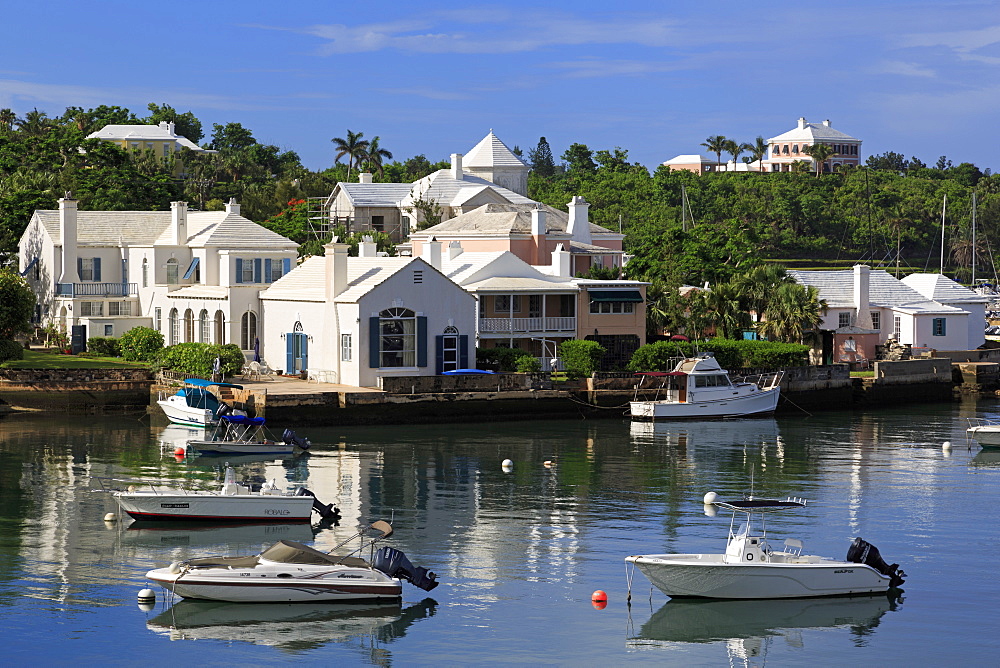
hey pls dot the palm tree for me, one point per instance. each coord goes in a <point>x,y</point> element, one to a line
<point>801,166</point>
<point>819,153</point>
<point>35,123</point>
<point>354,147</point>
<point>7,119</point>
<point>716,144</point>
<point>736,150</point>
<point>729,317</point>
<point>758,149</point>
<point>793,310</point>
<point>758,286</point>
<point>374,156</point>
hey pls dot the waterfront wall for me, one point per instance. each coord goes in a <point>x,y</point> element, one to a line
<point>76,391</point>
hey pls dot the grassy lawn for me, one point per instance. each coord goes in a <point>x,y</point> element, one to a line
<point>862,374</point>
<point>37,359</point>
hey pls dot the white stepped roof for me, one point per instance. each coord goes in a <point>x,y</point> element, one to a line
<point>491,152</point>
<point>147,228</point>
<point>814,132</point>
<point>504,220</point>
<point>689,160</point>
<point>142,133</point>
<point>375,194</point>
<point>307,282</point>
<point>941,288</point>
<point>442,188</point>
<point>885,291</point>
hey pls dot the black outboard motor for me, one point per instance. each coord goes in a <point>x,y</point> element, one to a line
<point>326,511</point>
<point>394,563</point>
<point>863,552</point>
<point>289,438</point>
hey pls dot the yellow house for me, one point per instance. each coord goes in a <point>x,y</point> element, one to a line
<point>161,139</point>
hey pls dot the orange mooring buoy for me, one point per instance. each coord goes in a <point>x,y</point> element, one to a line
<point>599,595</point>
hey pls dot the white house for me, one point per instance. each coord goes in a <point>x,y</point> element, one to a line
<point>194,276</point>
<point>355,320</point>
<point>946,291</point>
<point>866,308</point>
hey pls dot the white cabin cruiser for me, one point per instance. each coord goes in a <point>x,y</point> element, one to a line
<point>232,503</point>
<point>751,568</point>
<point>289,572</point>
<point>985,431</point>
<point>194,404</point>
<point>699,388</point>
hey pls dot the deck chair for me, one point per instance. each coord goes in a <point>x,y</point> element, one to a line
<point>252,371</point>
<point>793,546</point>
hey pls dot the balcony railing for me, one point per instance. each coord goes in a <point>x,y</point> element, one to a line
<point>524,325</point>
<point>97,289</point>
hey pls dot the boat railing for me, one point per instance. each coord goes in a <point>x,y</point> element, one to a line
<point>983,422</point>
<point>132,484</point>
<point>765,381</point>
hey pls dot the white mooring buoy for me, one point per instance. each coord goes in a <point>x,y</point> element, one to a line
<point>507,465</point>
<point>147,595</point>
<point>710,498</point>
<point>111,517</point>
<point>946,445</point>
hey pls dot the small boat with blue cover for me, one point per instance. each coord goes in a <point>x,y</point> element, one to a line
<point>247,435</point>
<point>195,404</point>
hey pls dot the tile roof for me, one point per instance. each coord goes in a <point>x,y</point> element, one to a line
<point>505,219</point>
<point>146,228</point>
<point>813,132</point>
<point>491,152</point>
<point>837,289</point>
<point>441,187</point>
<point>376,194</point>
<point>941,288</point>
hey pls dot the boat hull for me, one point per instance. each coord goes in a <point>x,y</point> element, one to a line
<point>178,412</point>
<point>215,507</point>
<point>235,447</point>
<point>685,576</point>
<point>290,585</point>
<point>987,437</point>
<point>757,403</point>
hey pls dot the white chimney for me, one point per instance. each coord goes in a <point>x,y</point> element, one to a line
<point>456,166</point>
<point>802,123</point>
<point>578,227</point>
<point>365,177</point>
<point>538,221</point>
<point>232,206</point>
<point>366,247</point>
<point>336,268</point>
<point>454,249</point>
<point>827,122</point>
<point>179,222</point>
<point>862,278</point>
<point>67,232</point>
<point>432,253</point>
<point>560,262</point>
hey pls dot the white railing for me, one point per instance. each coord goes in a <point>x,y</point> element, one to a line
<point>496,325</point>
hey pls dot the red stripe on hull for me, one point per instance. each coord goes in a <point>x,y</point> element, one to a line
<point>215,518</point>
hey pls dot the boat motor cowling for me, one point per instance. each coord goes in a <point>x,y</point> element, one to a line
<point>326,510</point>
<point>289,438</point>
<point>863,552</point>
<point>394,563</point>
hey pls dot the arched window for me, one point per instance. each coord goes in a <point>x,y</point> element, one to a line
<point>171,271</point>
<point>145,273</point>
<point>220,327</point>
<point>188,326</point>
<point>175,327</point>
<point>248,330</point>
<point>397,338</point>
<point>204,327</point>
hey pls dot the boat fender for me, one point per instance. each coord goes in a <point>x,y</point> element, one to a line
<point>174,568</point>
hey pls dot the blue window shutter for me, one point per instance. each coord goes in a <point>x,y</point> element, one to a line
<point>438,354</point>
<point>463,351</point>
<point>97,269</point>
<point>267,270</point>
<point>256,270</point>
<point>289,354</point>
<point>286,265</point>
<point>944,326</point>
<point>304,338</point>
<point>191,268</point>
<point>421,340</point>
<point>79,268</point>
<point>374,341</point>
<point>239,270</point>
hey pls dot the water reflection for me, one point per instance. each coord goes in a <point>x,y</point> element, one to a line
<point>989,458</point>
<point>184,534</point>
<point>292,627</point>
<point>748,625</point>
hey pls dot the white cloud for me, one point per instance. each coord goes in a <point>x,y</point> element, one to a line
<point>904,69</point>
<point>961,41</point>
<point>430,93</point>
<point>592,68</point>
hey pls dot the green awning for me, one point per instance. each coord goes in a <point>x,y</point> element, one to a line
<point>633,296</point>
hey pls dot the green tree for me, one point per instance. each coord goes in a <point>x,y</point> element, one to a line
<point>820,153</point>
<point>716,144</point>
<point>353,146</point>
<point>140,344</point>
<point>231,136</point>
<point>579,159</point>
<point>793,310</point>
<point>7,120</point>
<point>17,304</point>
<point>186,124</point>
<point>758,151</point>
<point>540,159</point>
<point>374,155</point>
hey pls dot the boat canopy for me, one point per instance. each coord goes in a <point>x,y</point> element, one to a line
<point>198,382</point>
<point>761,505</point>
<point>292,552</point>
<point>466,372</point>
<point>243,419</point>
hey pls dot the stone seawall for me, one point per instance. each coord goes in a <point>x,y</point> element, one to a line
<point>76,391</point>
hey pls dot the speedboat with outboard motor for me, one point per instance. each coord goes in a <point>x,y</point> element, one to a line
<point>240,434</point>
<point>232,503</point>
<point>289,572</point>
<point>753,568</point>
<point>699,388</point>
<point>986,432</point>
<point>195,404</point>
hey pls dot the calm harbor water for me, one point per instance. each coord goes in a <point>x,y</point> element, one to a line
<point>518,554</point>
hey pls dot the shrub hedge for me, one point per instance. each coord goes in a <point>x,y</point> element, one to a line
<point>730,354</point>
<point>197,359</point>
<point>10,350</point>
<point>581,358</point>
<point>102,346</point>
<point>140,344</point>
<point>498,359</point>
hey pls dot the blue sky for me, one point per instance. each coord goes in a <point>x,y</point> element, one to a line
<point>656,78</point>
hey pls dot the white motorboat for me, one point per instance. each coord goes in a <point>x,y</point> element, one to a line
<point>232,503</point>
<point>194,404</point>
<point>239,434</point>
<point>289,572</point>
<point>699,388</point>
<point>985,431</point>
<point>751,568</point>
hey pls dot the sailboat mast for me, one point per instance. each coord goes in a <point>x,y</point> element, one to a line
<point>944,207</point>
<point>974,240</point>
